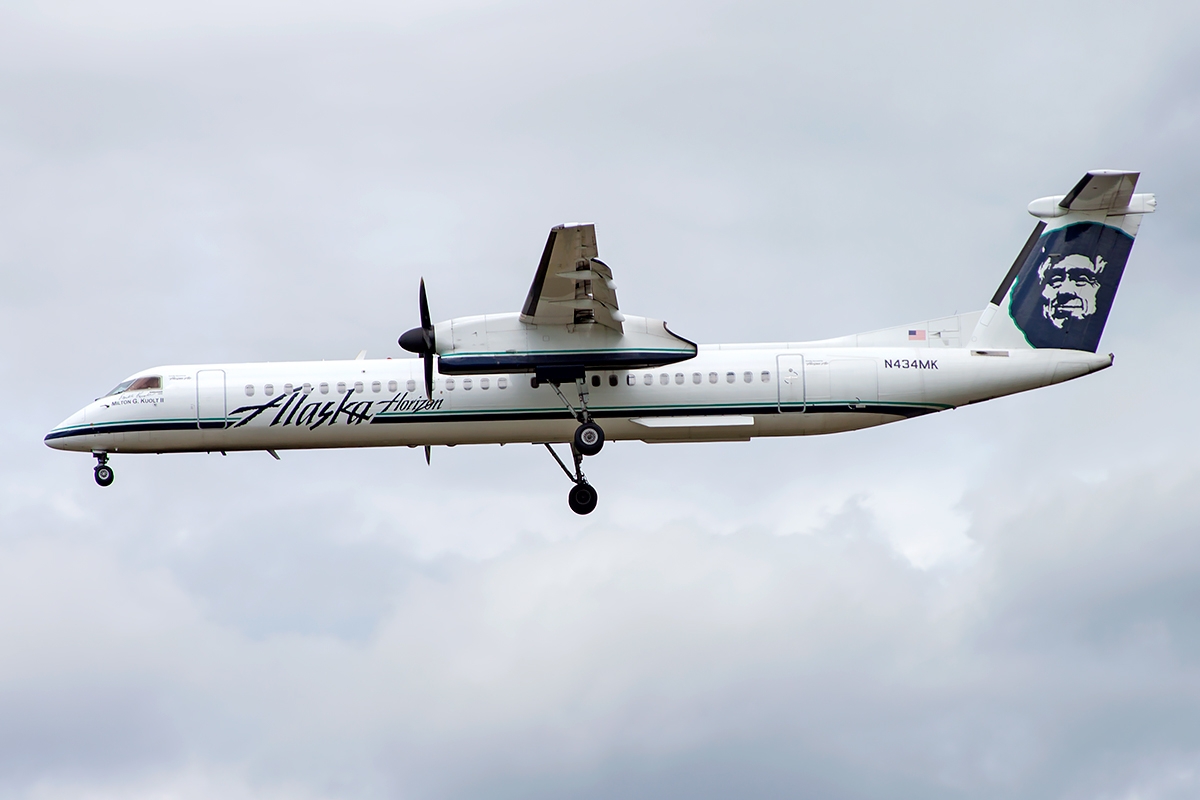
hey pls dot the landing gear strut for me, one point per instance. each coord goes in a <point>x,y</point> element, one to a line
<point>587,441</point>
<point>589,437</point>
<point>104,473</point>
<point>582,498</point>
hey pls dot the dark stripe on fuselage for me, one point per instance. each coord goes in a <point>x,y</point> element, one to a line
<point>135,427</point>
<point>907,412</point>
<point>540,414</point>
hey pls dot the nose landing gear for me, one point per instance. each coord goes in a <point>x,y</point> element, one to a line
<point>104,473</point>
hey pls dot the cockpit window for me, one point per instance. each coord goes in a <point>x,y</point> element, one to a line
<point>148,382</point>
<point>137,385</point>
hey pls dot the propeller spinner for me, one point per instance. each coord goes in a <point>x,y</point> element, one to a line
<point>420,341</point>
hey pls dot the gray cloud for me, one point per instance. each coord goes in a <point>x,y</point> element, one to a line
<point>949,607</point>
<point>678,661</point>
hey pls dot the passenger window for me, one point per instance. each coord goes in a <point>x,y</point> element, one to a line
<point>649,379</point>
<point>450,384</point>
<point>679,378</point>
<point>696,377</point>
<point>376,386</point>
<point>148,382</point>
<point>748,377</point>
<point>341,387</point>
<point>269,389</point>
<point>466,384</point>
<point>631,379</point>
<point>712,377</point>
<point>249,390</point>
<point>664,378</point>
<point>324,388</point>
<point>307,388</point>
<point>393,386</point>
<point>358,387</point>
<point>612,380</point>
<point>730,377</point>
<point>595,380</point>
<point>501,383</point>
<point>483,383</point>
<point>766,377</point>
<point>411,386</point>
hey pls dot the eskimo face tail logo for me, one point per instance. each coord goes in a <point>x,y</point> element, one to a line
<point>1069,287</point>
<point>1066,286</point>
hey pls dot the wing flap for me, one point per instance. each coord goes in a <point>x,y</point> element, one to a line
<point>572,286</point>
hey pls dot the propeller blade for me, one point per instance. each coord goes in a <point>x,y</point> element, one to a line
<point>427,449</point>
<point>421,340</point>
<point>426,323</point>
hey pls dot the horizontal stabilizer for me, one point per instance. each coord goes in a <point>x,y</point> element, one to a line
<point>1107,190</point>
<point>1101,189</point>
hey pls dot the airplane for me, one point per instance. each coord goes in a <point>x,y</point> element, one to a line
<point>571,368</point>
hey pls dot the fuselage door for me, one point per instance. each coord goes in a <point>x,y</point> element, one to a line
<point>791,382</point>
<point>210,398</point>
<point>838,382</point>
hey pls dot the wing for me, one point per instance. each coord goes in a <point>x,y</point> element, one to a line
<point>572,286</point>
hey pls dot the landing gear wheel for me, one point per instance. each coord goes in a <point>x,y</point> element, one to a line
<point>104,475</point>
<point>589,438</point>
<point>582,499</point>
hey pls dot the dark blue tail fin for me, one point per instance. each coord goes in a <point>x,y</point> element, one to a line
<point>1061,287</point>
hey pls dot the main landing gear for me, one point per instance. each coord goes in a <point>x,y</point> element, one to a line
<point>587,441</point>
<point>104,473</point>
<point>589,437</point>
<point>582,498</point>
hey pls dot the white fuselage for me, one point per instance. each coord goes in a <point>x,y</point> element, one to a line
<point>725,393</point>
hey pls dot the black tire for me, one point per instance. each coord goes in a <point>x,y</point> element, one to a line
<point>104,475</point>
<point>589,438</point>
<point>582,499</point>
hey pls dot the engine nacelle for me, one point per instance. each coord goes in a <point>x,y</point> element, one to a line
<point>503,343</point>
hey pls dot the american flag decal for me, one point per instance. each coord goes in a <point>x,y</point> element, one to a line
<point>916,336</point>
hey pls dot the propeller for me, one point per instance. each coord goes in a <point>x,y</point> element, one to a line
<point>420,341</point>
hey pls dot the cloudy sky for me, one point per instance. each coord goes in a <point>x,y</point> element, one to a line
<point>995,602</point>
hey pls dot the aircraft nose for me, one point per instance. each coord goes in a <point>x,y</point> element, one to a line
<point>59,436</point>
